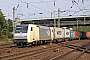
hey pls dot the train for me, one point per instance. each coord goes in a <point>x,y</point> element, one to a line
<point>31,34</point>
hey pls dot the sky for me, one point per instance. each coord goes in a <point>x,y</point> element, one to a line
<point>31,9</point>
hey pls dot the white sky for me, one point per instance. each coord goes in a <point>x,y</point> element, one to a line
<point>45,6</point>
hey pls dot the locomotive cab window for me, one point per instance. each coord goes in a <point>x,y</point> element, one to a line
<point>21,28</point>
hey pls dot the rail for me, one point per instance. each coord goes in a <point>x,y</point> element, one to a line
<point>77,48</point>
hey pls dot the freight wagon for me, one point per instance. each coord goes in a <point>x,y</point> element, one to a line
<point>61,34</point>
<point>88,35</point>
<point>66,34</point>
<point>85,35</point>
<point>71,34</point>
<point>76,34</point>
<point>57,34</point>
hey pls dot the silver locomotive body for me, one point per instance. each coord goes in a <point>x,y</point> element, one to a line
<point>31,34</point>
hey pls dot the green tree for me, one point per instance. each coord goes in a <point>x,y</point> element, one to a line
<point>10,24</point>
<point>4,29</point>
<point>82,28</point>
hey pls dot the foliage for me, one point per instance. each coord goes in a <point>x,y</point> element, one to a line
<point>5,29</point>
<point>9,40</point>
<point>10,24</point>
<point>5,42</point>
<point>82,28</point>
<point>2,42</point>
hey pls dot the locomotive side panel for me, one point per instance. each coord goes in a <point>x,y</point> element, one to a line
<point>34,34</point>
<point>31,33</point>
<point>44,33</point>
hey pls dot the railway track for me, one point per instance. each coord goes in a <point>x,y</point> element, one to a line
<point>58,53</point>
<point>7,45</point>
<point>46,55</point>
<point>73,54</point>
<point>27,53</point>
<point>42,51</point>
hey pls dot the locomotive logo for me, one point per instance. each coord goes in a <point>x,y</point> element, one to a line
<point>20,33</point>
<point>48,32</point>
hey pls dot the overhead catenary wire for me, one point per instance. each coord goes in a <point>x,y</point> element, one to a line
<point>23,14</point>
<point>77,7</point>
<point>28,4</point>
<point>35,6</point>
<point>54,4</point>
<point>82,10</point>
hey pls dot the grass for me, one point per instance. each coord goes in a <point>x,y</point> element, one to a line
<point>2,42</point>
<point>10,40</point>
<point>6,42</point>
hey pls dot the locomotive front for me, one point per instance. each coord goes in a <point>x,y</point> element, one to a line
<point>20,35</point>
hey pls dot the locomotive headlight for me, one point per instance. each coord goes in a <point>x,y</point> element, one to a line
<point>25,36</point>
<point>16,37</point>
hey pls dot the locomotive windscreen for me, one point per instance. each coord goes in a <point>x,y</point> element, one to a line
<point>21,28</point>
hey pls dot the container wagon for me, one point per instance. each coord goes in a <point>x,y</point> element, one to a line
<point>76,34</point>
<point>85,35</point>
<point>57,34</point>
<point>66,34</point>
<point>88,35</point>
<point>71,35</point>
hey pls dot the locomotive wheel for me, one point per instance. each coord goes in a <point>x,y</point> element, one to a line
<point>20,44</point>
